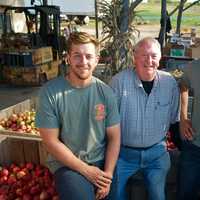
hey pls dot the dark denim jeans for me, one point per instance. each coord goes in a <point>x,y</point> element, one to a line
<point>189,172</point>
<point>71,185</point>
<point>154,163</point>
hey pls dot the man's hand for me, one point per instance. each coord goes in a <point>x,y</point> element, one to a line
<point>96,176</point>
<point>186,129</point>
<point>101,193</point>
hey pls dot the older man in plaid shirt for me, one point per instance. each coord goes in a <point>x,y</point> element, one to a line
<point>149,104</point>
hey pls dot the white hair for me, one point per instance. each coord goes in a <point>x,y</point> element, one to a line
<point>147,40</point>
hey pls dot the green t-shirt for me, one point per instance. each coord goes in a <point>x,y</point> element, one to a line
<point>191,79</point>
<point>81,114</point>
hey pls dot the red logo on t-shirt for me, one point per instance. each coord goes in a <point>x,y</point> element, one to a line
<point>99,112</point>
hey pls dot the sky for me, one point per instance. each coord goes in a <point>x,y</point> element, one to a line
<point>66,6</point>
<point>70,6</point>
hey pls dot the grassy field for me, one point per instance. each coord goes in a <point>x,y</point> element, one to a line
<point>150,13</point>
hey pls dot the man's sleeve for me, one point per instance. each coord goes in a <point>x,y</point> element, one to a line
<point>112,110</point>
<point>46,116</point>
<point>175,105</point>
<point>112,117</point>
<point>116,87</point>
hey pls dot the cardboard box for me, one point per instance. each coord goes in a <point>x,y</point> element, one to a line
<point>178,50</point>
<point>195,51</point>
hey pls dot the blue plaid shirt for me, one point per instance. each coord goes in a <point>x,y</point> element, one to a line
<point>145,119</point>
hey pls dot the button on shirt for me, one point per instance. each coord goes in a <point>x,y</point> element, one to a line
<point>145,119</point>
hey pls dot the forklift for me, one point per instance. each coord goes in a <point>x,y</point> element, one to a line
<point>31,57</point>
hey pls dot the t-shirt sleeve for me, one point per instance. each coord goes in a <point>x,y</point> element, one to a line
<point>112,117</point>
<point>46,114</point>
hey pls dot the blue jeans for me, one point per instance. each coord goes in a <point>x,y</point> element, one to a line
<point>73,186</point>
<point>189,172</point>
<point>154,162</point>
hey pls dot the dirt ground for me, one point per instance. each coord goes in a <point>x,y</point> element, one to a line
<point>148,30</point>
<point>145,30</point>
<point>10,95</point>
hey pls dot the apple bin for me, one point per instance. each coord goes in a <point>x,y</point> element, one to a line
<point>20,146</point>
<point>23,174</point>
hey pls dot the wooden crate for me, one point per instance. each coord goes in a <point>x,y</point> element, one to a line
<point>27,57</point>
<point>42,55</point>
<point>31,75</point>
<point>18,147</point>
<point>20,151</point>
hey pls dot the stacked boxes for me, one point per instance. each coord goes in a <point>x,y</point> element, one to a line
<point>28,58</point>
<point>30,67</point>
<point>30,76</point>
<point>177,50</point>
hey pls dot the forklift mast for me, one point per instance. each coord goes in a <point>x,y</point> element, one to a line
<point>46,22</point>
<point>48,25</point>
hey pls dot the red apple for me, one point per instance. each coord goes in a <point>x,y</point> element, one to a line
<point>51,190</point>
<point>3,122</point>
<point>21,174</point>
<point>26,197</point>
<point>8,123</point>
<point>44,195</point>
<point>4,172</point>
<point>14,117</point>
<point>11,179</point>
<point>27,177</point>
<point>35,189</point>
<point>3,179</point>
<point>55,197</point>
<point>15,169</point>
<point>19,191</point>
<point>3,197</point>
<point>37,197</point>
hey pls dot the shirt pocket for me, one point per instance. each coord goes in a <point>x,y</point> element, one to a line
<point>162,113</point>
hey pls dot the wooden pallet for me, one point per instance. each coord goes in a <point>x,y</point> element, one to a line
<point>31,76</point>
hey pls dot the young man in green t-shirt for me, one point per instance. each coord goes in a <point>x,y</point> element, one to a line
<point>78,121</point>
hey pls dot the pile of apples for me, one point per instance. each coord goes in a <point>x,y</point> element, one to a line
<point>23,122</point>
<point>27,182</point>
